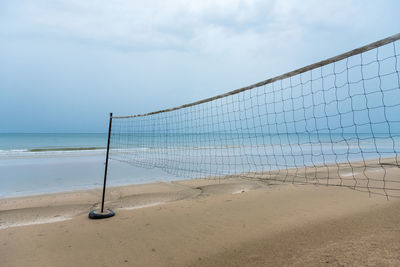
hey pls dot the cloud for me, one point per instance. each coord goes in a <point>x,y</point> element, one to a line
<point>225,26</point>
<point>138,56</point>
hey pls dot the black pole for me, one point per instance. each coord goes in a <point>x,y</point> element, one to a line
<point>95,214</point>
<point>106,167</point>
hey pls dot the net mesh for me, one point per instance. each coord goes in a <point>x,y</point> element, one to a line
<point>335,124</point>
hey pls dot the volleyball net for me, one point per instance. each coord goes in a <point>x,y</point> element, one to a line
<point>335,122</point>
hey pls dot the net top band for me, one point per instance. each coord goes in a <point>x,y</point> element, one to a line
<point>353,52</point>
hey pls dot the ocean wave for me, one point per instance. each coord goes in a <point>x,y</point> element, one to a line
<point>64,149</point>
<point>49,153</point>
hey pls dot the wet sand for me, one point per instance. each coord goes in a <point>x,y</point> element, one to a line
<point>228,222</point>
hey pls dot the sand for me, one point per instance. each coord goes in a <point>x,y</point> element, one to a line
<point>229,222</point>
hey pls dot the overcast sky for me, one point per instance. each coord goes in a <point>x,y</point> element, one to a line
<point>66,64</point>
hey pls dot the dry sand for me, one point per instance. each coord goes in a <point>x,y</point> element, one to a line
<point>231,222</point>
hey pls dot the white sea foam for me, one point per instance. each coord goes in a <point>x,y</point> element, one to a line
<point>349,174</point>
<point>143,206</point>
<point>239,191</point>
<point>39,221</point>
<point>25,154</point>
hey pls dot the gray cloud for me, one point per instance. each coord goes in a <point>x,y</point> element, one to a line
<point>66,58</point>
<point>214,26</point>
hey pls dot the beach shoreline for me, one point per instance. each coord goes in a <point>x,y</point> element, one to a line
<point>377,177</point>
<point>43,208</point>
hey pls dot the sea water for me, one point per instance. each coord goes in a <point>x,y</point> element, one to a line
<point>44,163</point>
<point>219,154</point>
